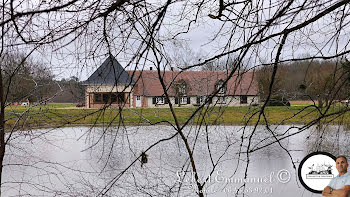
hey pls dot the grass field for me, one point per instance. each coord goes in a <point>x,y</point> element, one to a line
<point>53,115</point>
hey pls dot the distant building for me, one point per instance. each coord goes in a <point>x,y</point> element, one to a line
<point>110,84</point>
<point>22,103</point>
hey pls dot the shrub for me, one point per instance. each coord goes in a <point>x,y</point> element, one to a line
<point>278,101</point>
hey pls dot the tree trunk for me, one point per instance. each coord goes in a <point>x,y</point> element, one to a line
<point>2,127</point>
<point>320,103</point>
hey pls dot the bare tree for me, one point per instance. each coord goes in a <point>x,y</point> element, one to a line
<point>84,31</point>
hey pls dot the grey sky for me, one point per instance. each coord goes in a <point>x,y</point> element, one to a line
<point>319,38</point>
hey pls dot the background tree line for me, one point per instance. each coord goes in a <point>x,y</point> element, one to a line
<point>28,79</point>
<point>322,81</point>
<point>317,80</point>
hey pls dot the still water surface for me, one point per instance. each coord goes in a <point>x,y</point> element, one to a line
<point>86,162</point>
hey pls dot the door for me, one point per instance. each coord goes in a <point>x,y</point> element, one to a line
<point>138,101</point>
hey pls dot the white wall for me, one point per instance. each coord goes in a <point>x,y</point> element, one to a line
<point>230,101</point>
<point>107,88</point>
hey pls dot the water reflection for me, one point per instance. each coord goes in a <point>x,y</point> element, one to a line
<point>86,162</point>
<point>329,138</point>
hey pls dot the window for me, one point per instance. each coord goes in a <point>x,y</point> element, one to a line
<point>182,90</point>
<point>180,87</point>
<point>105,98</point>
<point>201,99</point>
<point>98,98</point>
<point>138,98</point>
<point>183,100</point>
<point>114,98</point>
<point>220,85</point>
<point>108,98</point>
<point>243,99</point>
<point>117,98</point>
<point>221,99</point>
<point>160,100</point>
<point>101,98</point>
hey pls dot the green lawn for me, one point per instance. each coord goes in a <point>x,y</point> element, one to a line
<point>66,115</point>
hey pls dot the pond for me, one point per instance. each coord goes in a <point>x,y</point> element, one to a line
<point>82,161</point>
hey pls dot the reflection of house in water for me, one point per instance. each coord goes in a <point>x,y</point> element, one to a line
<point>111,84</point>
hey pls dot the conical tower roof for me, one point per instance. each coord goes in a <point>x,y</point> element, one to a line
<point>109,73</point>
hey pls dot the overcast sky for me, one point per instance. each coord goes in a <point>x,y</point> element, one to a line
<point>197,44</point>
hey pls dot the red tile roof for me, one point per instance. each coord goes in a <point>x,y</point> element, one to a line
<point>197,82</point>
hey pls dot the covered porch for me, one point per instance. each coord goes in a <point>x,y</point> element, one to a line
<point>110,99</point>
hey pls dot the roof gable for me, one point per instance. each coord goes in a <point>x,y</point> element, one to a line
<point>109,73</point>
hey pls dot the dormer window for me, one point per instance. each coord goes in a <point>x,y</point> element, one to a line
<point>182,89</point>
<point>220,87</point>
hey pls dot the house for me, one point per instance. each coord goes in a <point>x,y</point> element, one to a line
<point>109,84</point>
<point>112,85</point>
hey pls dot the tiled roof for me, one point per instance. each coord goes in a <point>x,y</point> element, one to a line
<point>197,82</point>
<point>109,73</point>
